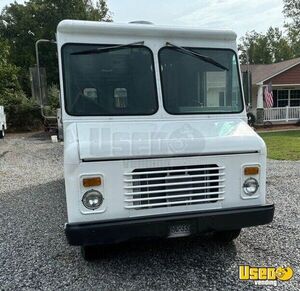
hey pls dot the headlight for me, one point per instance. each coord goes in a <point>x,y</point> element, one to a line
<point>92,199</point>
<point>250,186</point>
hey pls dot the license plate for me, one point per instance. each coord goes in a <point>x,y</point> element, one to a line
<point>180,230</point>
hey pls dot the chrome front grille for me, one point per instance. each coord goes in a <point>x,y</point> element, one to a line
<point>174,186</point>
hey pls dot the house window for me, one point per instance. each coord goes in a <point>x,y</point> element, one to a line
<point>282,98</point>
<point>295,98</point>
<point>286,97</point>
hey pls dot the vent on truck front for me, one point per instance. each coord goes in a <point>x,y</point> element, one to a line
<point>174,186</point>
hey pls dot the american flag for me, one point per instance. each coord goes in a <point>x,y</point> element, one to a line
<point>269,96</point>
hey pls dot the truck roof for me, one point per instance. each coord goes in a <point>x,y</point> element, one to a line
<point>110,28</point>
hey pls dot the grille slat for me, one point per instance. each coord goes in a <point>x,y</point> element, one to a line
<point>172,186</point>
<point>175,190</point>
<point>172,196</point>
<point>173,203</point>
<point>171,177</point>
<point>172,171</point>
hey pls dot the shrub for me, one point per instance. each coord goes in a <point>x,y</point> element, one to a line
<point>21,113</point>
<point>53,96</point>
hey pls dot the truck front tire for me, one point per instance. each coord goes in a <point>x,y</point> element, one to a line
<point>88,253</point>
<point>94,252</point>
<point>226,236</point>
<point>2,133</point>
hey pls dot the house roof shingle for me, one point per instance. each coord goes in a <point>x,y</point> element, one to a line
<point>264,72</point>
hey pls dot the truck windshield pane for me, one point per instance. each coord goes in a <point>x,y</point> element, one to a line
<point>192,85</point>
<point>110,82</point>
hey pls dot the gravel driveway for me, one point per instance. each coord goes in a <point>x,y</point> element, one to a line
<point>34,253</point>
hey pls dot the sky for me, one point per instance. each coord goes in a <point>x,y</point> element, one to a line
<point>238,15</point>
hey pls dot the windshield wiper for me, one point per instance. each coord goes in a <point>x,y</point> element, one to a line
<point>106,49</point>
<point>202,57</point>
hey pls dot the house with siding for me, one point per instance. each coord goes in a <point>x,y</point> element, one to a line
<point>284,78</point>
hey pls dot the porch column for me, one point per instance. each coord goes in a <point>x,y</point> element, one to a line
<point>260,105</point>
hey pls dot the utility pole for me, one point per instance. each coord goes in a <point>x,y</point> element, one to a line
<point>248,78</point>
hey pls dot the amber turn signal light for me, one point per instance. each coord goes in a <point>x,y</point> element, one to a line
<point>248,171</point>
<point>91,182</point>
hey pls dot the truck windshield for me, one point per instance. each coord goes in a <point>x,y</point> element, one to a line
<point>193,85</point>
<point>109,82</point>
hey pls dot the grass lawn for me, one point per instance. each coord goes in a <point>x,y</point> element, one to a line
<point>284,145</point>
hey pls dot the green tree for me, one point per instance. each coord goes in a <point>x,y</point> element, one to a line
<point>255,48</point>
<point>21,112</point>
<point>10,90</point>
<point>279,44</point>
<point>291,12</point>
<point>266,48</point>
<point>23,24</point>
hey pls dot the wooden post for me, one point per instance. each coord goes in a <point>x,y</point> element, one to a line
<point>260,105</point>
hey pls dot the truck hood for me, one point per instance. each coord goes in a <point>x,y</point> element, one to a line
<point>136,139</point>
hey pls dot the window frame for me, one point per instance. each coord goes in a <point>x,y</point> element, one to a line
<point>202,113</point>
<point>108,115</point>
<point>288,99</point>
<point>294,99</point>
<point>283,99</point>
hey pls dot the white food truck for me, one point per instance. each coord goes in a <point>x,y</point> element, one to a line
<point>156,140</point>
<point>3,125</point>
